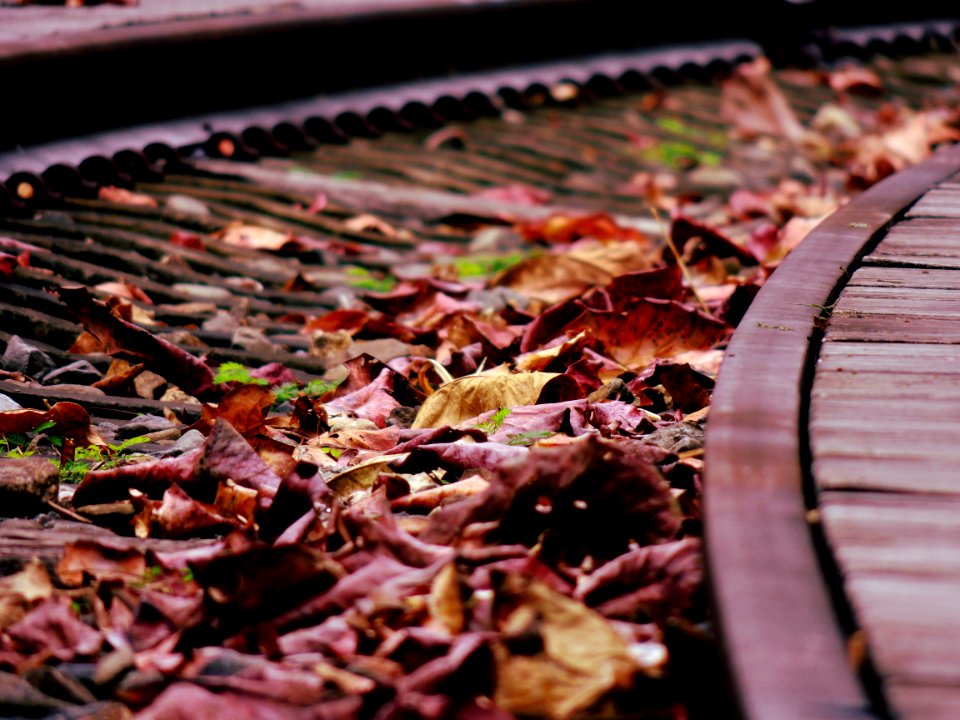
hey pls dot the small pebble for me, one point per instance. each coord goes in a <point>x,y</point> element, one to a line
<point>678,437</point>
<point>186,205</point>
<point>202,292</point>
<point>25,358</point>
<point>190,440</point>
<point>80,372</point>
<point>252,340</point>
<point>143,425</point>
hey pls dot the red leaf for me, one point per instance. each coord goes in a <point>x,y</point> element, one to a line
<point>564,229</point>
<point>710,243</point>
<point>125,339</point>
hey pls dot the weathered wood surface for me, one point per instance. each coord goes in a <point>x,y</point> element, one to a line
<point>23,540</point>
<point>883,429</point>
<point>787,650</point>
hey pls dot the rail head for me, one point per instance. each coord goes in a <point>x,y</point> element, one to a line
<point>786,652</point>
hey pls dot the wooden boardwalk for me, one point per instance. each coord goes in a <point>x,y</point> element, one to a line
<point>833,492</point>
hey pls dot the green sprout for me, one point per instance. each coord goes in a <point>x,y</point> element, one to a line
<point>229,372</point>
<point>495,422</point>
<point>363,279</point>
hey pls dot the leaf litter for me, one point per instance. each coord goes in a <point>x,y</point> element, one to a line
<point>489,505</point>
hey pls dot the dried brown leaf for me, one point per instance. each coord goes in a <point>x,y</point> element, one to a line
<point>581,660</point>
<point>471,396</point>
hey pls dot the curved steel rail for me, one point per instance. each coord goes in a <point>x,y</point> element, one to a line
<point>777,621</point>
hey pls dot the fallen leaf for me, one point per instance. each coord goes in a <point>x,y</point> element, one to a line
<point>122,338</point>
<point>70,419</point>
<point>471,396</point>
<point>552,278</point>
<point>649,329</point>
<point>101,559</point>
<point>361,477</point>
<point>254,237</point>
<point>654,582</point>
<point>756,106</point>
<point>564,229</point>
<point>855,80</point>
<point>579,659</point>
<point>244,407</point>
<point>54,628</point>
<point>445,602</point>
<point>178,516</point>
<point>22,590</point>
<point>121,196</point>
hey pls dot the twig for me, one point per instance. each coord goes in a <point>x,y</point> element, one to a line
<point>683,266</point>
<point>69,514</point>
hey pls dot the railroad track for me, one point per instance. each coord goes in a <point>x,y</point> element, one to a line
<point>224,235</point>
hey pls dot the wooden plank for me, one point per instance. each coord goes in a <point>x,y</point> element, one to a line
<point>909,300</point>
<point>886,426</point>
<point>23,540</point>
<point>908,260</point>
<point>892,474</point>
<point>905,277</point>
<point>911,384</point>
<point>859,357</point>
<point>893,328</point>
<point>916,701</point>
<point>911,623</point>
<point>873,446</point>
<point>901,411</point>
<point>939,202</point>
<point>893,533</point>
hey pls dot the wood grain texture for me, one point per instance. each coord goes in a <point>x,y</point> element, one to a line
<point>910,623</point>
<point>888,533</point>
<point>894,474</point>
<point>769,592</point>
<point>924,702</point>
<point>884,422</point>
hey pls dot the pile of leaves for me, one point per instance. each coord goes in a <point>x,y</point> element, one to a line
<point>488,507</point>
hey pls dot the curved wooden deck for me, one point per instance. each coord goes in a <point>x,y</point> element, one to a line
<point>831,463</point>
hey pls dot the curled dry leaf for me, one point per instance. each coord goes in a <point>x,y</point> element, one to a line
<point>121,338</point>
<point>581,657</point>
<point>178,515</point>
<point>22,591</point>
<point>471,396</point>
<point>855,80</point>
<point>362,476</point>
<point>552,278</point>
<point>615,256</point>
<point>254,237</point>
<point>564,229</point>
<point>70,420</point>
<point>121,196</point>
<point>649,329</point>
<point>756,106</point>
<point>101,559</point>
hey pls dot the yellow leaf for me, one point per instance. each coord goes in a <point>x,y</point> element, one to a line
<point>253,236</point>
<point>361,476</point>
<point>445,603</point>
<point>582,659</point>
<point>474,395</point>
